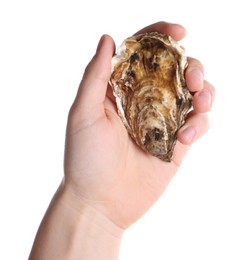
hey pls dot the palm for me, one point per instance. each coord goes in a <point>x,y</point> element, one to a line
<point>143,177</point>
<point>126,175</point>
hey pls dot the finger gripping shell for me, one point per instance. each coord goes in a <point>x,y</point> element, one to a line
<point>150,90</point>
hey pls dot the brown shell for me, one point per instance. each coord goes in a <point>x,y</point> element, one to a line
<point>150,89</point>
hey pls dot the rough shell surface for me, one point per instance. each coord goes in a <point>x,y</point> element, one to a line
<point>150,89</point>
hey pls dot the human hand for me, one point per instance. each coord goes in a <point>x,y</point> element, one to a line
<point>104,168</point>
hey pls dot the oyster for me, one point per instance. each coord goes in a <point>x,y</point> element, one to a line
<point>150,90</point>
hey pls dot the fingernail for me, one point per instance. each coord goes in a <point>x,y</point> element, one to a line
<point>197,73</point>
<point>189,134</point>
<point>206,96</point>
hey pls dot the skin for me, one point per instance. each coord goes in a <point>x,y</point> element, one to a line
<point>109,183</point>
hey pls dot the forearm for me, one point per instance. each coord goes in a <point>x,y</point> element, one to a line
<point>68,232</point>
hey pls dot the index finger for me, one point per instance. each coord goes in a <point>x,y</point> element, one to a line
<point>176,31</point>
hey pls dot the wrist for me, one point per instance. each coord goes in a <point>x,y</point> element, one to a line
<point>83,211</point>
<point>73,230</point>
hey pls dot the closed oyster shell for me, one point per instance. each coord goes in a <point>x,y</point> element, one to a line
<point>150,90</point>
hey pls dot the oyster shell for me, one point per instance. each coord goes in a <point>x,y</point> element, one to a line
<point>150,90</point>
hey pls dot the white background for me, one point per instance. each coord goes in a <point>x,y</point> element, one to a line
<point>44,48</point>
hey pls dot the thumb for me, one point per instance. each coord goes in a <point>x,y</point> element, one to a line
<point>92,90</point>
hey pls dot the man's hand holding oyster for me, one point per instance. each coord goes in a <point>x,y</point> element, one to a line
<point>110,181</point>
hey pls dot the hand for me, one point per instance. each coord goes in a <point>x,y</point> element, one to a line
<point>103,167</point>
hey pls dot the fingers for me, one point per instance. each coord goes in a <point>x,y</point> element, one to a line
<point>196,125</point>
<point>202,100</point>
<point>194,75</point>
<point>176,31</point>
<point>92,90</point>
<point>203,91</point>
<point>197,122</point>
